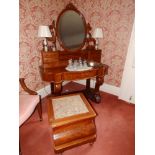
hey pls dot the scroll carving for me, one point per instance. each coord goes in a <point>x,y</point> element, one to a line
<point>90,41</point>
<point>53,32</point>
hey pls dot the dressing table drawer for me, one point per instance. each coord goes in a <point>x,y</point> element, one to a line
<point>94,55</point>
<point>49,56</point>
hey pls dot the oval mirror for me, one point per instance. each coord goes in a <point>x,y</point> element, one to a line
<point>71,29</point>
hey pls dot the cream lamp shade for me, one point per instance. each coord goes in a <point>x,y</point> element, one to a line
<point>98,33</point>
<point>44,32</point>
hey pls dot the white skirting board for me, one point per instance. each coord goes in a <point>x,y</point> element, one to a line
<point>105,87</point>
<point>44,91</point>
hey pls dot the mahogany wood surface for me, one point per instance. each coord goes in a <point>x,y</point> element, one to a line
<point>59,74</point>
<point>55,61</point>
<point>53,70</point>
<point>24,86</point>
<point>74,130</point>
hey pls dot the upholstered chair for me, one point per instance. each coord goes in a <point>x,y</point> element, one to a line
<point>28,102</point>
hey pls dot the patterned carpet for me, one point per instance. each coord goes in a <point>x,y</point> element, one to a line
<point>115,125</point>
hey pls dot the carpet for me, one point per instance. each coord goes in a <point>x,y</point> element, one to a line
<point>115,126</point>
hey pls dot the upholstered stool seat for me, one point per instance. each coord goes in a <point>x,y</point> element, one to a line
<point>27,104</point>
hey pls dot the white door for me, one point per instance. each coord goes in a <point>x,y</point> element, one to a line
<point>127,89</point>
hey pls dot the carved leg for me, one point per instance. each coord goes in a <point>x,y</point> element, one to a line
<point>88,84</point>
<point>88,91</point>
<point>91,143</point>
<point>57,88</point>
<point>52,88</point>
<point>94,95</point>
<point>39,108</point>
<point>99,82</point>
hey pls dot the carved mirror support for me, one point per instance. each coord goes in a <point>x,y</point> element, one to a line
<point>90,41</point>
<point>53,39</point>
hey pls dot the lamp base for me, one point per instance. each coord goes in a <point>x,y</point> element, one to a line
<point>97,44</point>
<point>45,45</point>
<point>45,48</point>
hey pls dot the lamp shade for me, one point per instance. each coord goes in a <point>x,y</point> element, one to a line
<point>98,33</point>
<point>44,31</point>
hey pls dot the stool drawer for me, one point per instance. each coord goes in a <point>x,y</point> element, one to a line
<point>70,132</point>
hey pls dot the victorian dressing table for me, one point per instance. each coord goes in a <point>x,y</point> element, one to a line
<point>73,35</point>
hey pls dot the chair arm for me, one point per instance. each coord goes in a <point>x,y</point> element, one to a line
<point>23,85</point>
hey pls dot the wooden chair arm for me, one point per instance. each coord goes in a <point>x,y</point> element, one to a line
<point>23,85</point>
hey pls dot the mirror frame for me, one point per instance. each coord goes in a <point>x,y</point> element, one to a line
<point>71,7</point>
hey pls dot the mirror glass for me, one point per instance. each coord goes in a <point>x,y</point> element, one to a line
<point>71,30</point>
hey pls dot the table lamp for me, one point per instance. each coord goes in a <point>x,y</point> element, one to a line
<point>98,33</point>
<point>45,33</point>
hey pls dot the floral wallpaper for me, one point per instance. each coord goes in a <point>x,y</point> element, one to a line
<point>115,17</point>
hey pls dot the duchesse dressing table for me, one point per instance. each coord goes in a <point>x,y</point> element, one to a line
<point>73,35</point>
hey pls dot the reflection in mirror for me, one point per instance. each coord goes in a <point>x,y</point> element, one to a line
<point>71,30</point>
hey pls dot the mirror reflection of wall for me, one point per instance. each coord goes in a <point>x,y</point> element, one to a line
<point>71,29</point>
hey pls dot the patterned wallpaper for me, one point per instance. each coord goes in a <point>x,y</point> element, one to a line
<point>114,16</point>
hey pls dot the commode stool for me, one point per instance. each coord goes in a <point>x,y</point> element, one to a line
<point>72,121</point>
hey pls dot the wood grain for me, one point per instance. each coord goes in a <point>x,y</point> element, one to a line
<point>74,130</point>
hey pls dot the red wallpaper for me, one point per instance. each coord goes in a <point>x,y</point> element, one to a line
<point>114,16</point>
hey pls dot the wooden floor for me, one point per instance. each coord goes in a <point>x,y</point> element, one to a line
<point>115,130</point>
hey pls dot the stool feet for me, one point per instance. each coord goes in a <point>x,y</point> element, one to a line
<point>91,143</point>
